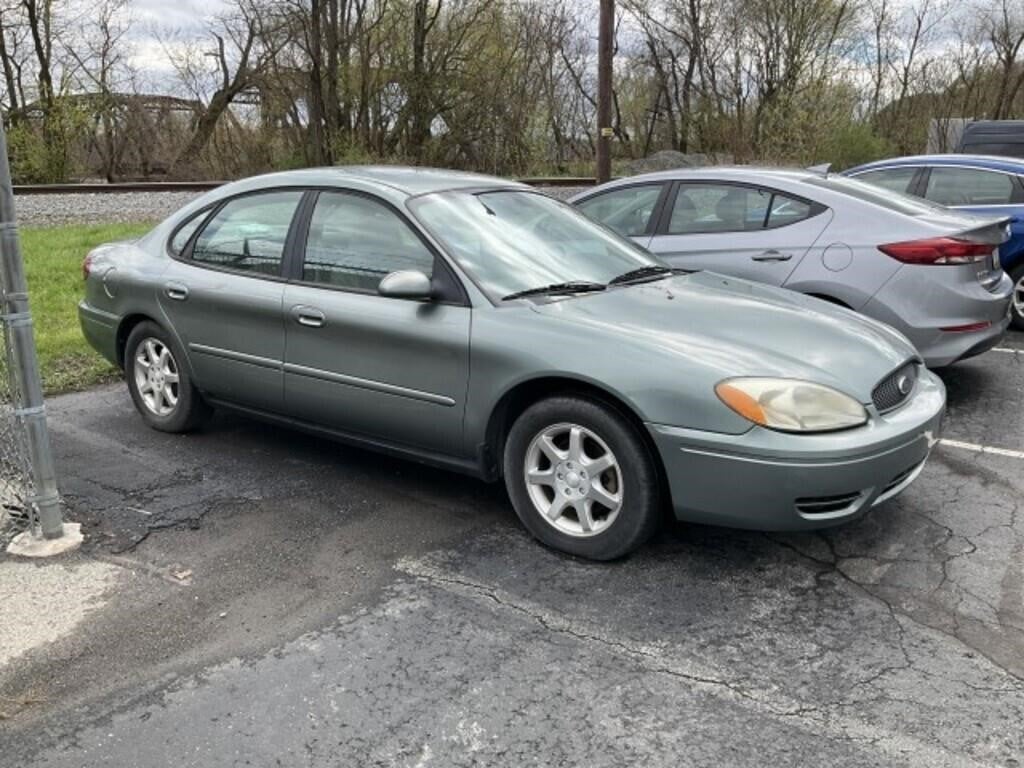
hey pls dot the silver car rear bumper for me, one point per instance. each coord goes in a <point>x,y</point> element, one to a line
<point>919,301</point>
<point>769,480</point>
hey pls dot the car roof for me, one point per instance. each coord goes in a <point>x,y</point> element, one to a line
<point>992,162</point>
<point>725,172</point>
<point>406,181</point>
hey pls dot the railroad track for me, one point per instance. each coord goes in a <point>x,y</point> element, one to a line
<point>204,186</point>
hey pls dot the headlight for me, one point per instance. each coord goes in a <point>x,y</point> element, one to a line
<point>790,405</point>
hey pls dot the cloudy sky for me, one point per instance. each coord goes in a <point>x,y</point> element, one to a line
<point>175,14</point>
<point>155,24</point>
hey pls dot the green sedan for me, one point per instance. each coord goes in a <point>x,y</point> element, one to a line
<point>483,327</point>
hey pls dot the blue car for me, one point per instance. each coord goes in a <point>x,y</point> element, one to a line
<point>981,184</point>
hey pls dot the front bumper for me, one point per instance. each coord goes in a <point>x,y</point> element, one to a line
<point>773,481</point>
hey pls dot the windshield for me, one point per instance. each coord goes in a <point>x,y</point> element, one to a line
<point>511,241</point>
<point>869,193</point>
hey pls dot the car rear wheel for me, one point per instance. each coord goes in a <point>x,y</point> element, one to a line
<point>160,385</point>
<point>581,478</point>
<point>1017,307</point>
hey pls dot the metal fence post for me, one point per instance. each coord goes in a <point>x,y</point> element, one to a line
<point>14,313</point>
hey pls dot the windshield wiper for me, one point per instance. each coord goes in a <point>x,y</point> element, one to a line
<point>578,286</point>
<point>641,273</point>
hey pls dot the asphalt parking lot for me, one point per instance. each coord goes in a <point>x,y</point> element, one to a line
<point>277,599</point>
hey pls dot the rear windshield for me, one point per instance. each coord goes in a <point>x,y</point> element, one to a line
<point>1002,148</point>
<point>868,193</point>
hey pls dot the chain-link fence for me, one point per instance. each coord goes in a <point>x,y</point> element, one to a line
<point>28,478</point>
<point>15,478</point>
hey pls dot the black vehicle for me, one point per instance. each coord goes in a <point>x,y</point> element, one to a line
<point>993,137</point>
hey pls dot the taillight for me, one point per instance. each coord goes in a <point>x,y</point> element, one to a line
<point>938,250</point>
<point>87,267</point>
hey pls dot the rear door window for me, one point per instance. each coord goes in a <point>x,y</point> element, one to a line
<point>702,208</point>
<point>968,186</point>
<point>627,210</point>
<point>893,179</point>
<point>708,208</point>
<point>248,233</point>
<point>185,231</point>
<point>787,210</point>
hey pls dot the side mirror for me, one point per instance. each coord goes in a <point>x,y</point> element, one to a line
<point>406,284</point>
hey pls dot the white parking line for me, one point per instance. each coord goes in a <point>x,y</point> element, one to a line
<point>976,448</point>
<point>1011,350</point>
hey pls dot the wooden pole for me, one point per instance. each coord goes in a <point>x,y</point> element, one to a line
<point>605,42</point>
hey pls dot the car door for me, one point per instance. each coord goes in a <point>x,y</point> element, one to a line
<point>388,369</point>
<point>222,295</point>
<point>737,229</point>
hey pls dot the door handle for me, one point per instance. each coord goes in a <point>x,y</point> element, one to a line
<point>308,316</point>
<point>176,291</point>
<point>772,255</point>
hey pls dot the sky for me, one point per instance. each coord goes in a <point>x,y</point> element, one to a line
<point>155,23</point>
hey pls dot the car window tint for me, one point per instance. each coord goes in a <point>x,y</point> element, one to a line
<point>1002,148</point>
<point>248,234</point>
<point>627,210</point>
<point>893,179</point>
<point>185,231</point>
<point>967,186</point>
<point>718,208</point>
<point>354,242</point>
<point>787,210</point>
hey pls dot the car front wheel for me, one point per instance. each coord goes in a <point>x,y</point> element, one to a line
<point>581,478</point>
<point>160,385</point>
<point>1017,307</point>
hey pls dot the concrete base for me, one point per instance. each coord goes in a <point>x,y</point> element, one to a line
<point>27,545</point>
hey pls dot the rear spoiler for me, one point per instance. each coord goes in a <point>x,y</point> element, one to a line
<point>994,231</point>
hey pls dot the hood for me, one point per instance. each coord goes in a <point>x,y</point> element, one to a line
<point>734,327</point>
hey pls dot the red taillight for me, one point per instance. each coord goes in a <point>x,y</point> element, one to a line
<point>938,250</point>
<point>87,267</point>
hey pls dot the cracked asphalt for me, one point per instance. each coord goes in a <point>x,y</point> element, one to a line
<point>281,600</point>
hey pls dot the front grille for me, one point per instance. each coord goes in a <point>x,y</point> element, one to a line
<point>888,394</point>
<point>824,505</point>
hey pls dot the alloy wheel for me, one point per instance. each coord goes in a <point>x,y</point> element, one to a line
<point>156,377</point>
<point>573,479</point>
<point>1018,297</point>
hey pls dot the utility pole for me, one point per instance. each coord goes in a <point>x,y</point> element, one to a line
<point>605,42</point>
<point>28,409</point>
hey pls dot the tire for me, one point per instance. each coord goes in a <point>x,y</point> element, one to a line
<point>559,439</point>
<point>167,399</point>
<point>1017,305</point>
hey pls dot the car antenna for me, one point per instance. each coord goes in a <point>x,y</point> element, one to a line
<point>823,169</point>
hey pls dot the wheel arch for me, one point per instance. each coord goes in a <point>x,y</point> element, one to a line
<point>124,330</point>
<point>130,321</point>
<point>525,393</point>
<point>829,299</point>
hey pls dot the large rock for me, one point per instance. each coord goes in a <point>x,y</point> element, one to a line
<point>667,159</point>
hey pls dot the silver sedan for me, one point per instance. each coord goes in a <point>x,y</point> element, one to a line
<point>930,272</point>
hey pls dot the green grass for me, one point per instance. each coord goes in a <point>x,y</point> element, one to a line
<point>53,267</point>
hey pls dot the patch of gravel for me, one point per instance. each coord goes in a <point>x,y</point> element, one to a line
<point>127,207</point>
<point>42,602</point>
<point>99,208</point>
<point>563,193</point>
